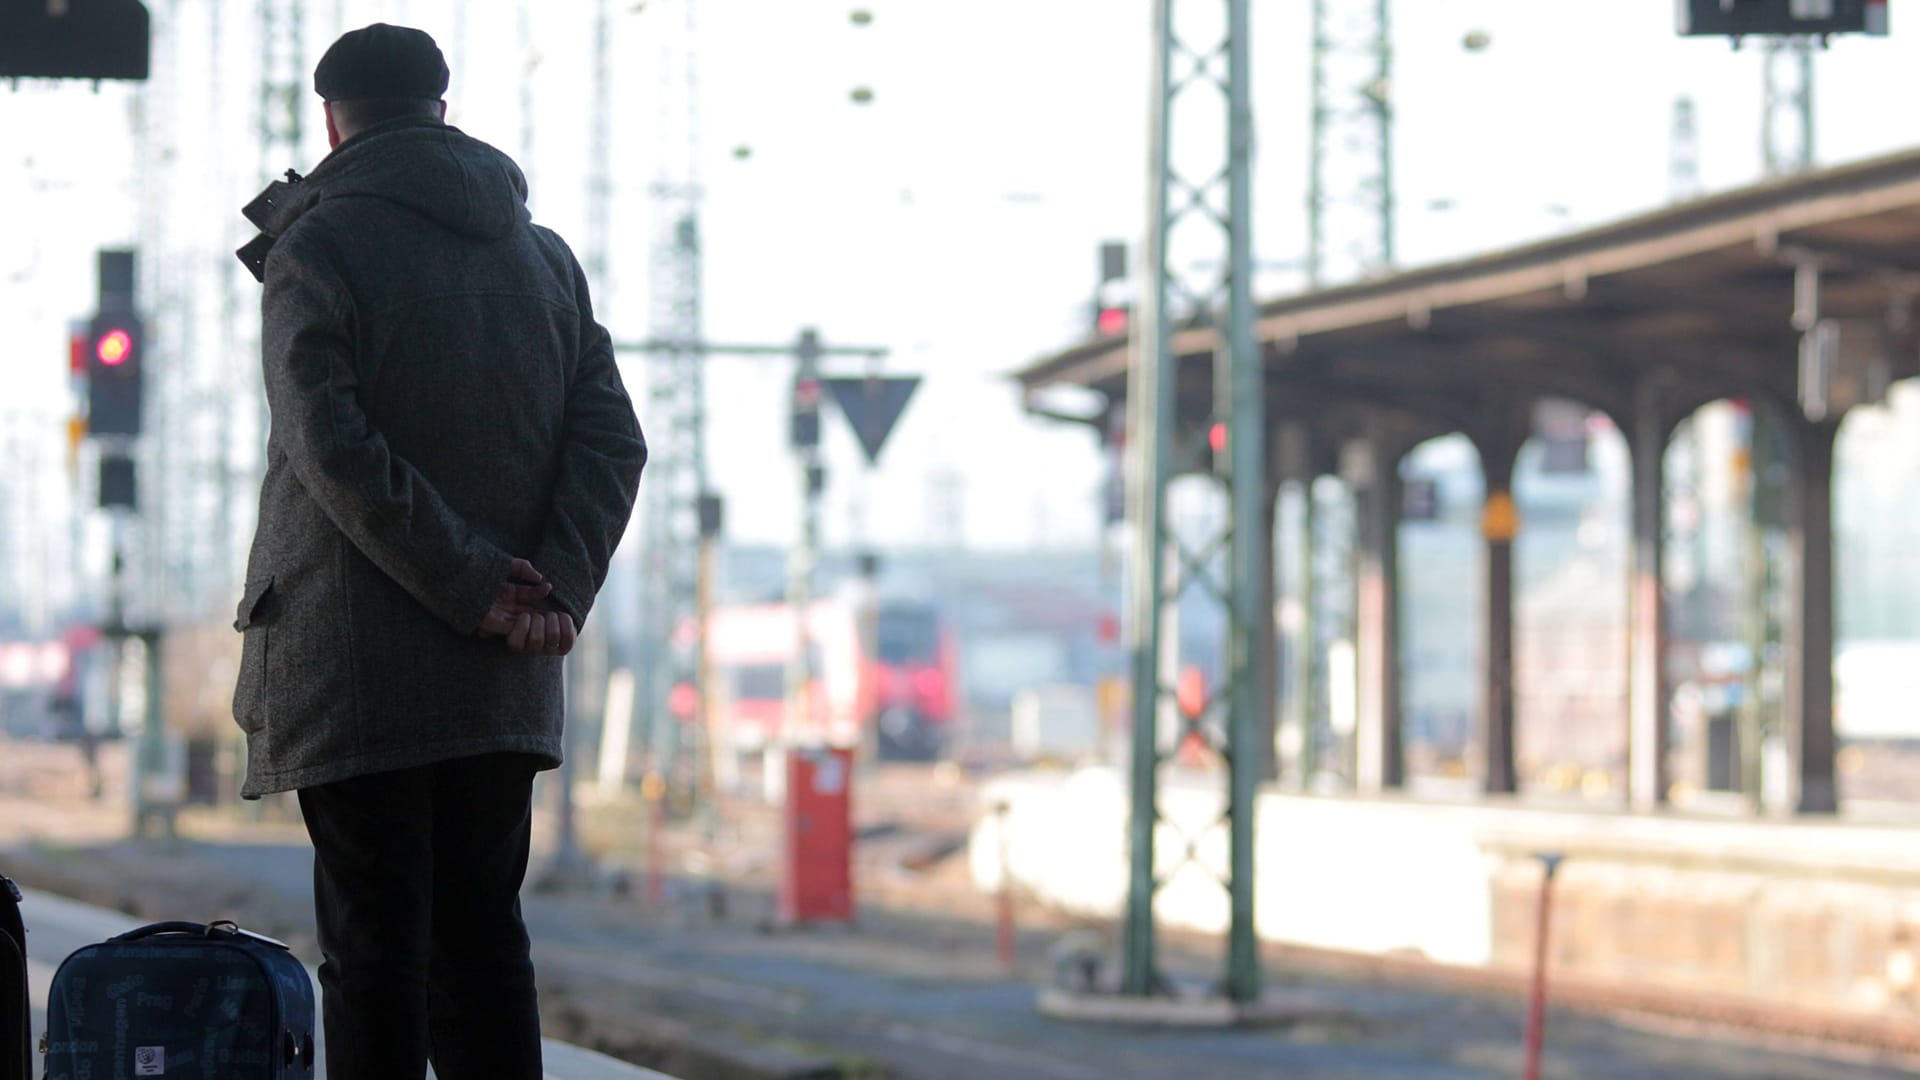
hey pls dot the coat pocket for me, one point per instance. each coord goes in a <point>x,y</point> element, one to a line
<point>254,621</point>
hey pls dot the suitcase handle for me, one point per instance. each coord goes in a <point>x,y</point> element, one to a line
<point>163,928</point>
<point>220,928</point>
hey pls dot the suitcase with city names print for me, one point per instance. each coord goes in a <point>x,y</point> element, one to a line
<point>16,1011</point>
<point>181,1000</point>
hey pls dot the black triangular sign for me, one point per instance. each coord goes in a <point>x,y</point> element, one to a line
<point>872,405</point>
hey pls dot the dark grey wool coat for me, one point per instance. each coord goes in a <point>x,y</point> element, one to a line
<point>442,401</point>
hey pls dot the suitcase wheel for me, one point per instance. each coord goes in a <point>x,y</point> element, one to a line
<point>299,1051</point>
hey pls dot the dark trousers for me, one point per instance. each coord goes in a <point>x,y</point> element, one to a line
<point>416,886</point>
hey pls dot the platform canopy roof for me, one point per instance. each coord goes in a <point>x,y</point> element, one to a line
<point>1699,296</point>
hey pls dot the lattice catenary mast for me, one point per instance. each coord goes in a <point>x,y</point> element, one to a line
<point>1786,139</point>
<point>1350,194</point>
<point>676,393</point>
<point>1201,209</point>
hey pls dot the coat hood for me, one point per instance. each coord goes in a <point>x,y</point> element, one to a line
<point>438,171</point>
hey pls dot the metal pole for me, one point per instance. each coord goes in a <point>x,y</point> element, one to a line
<point>599,157</point>
<point>1647,720</point>
<point>1240,363</point>
<point>1752,710</point>
<point>677,390</point>
<point>1502,777</point>
<point>1317,142</point>
<point>1267,667</point>
<point>721,766</point>
<point>528,63</point>
<point>1306,652</point>
<point>1226,305</point>
<point>1372,625</point>
<point>1383,102</point>
<point>806,558</point>
<point>116,665</point>
<point>1806,105</point>
<point>1537,1000</point>
<point>1499,444</point>
<point>1806,726</point>
<point>570,865</point>
<point>714,775</point>
<point>1350,195</point>
<point>1787,69</point>
<point>798,721</point>
<point>1150,397</point>
<point>155,721</point>
<point>868,756</point>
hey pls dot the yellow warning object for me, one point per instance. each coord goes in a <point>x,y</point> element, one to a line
<point>1500,520</point>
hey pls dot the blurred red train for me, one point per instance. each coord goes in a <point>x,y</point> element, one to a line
<point>893,684</point>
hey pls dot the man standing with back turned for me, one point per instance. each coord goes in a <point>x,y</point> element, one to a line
<point>451,464</point>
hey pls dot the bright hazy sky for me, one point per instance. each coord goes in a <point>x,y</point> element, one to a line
<point>955,219</point>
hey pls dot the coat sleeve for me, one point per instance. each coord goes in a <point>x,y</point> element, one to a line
<point>602,452</point>
<point>383,505</point>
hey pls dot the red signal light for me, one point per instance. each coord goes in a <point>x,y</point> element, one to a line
<point>114,347</point>
<point>1217,438</point>
<point>1111,322</point>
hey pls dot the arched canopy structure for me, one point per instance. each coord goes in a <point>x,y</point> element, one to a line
<point>1645,320</point>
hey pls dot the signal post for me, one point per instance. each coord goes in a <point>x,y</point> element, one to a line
<point>111,361</point>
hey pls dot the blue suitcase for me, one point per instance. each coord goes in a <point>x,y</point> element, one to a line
<point>180,999</point>
<point>16,1012</point>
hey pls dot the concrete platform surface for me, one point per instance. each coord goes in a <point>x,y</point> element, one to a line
<point>58,926</point>
<point>1808,915</point>
<point>908,993</point>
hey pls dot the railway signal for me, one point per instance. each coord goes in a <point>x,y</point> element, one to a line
<point>110,352</point>
<point>75,39</point>
<point>114,359</point>
<point>1775,18</point>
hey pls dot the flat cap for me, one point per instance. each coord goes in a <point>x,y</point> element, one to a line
<point>381,61</point>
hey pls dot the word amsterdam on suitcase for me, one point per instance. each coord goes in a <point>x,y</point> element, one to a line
<point>182,1000</point>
